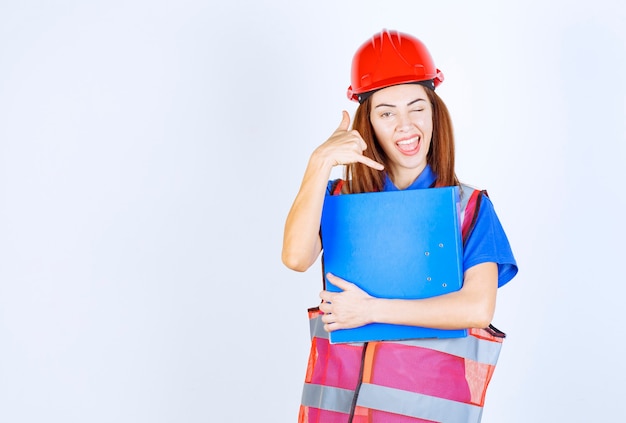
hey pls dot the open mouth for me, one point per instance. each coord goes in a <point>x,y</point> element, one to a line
<point>409,145</point>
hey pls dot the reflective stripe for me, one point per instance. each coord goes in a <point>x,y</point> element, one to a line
<point>470,347</point>
<point>317,330</point>
<point>327,398</point>
<point>417,405</point>
<point>465,194</point>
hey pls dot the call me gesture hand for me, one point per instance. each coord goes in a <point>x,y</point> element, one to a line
<point>346,147</point>
<point>349,308</point>
<point>301,241</point>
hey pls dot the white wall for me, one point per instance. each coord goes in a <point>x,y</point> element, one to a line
<point>150,150</point>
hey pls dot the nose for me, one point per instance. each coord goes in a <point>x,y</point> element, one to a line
<point>404,122</point>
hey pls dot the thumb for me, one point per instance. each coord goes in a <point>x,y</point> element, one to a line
<point>345,121</point>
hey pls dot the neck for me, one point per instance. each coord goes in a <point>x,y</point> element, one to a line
<point>403,178</point>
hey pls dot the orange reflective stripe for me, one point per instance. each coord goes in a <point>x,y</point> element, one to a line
<point>368,361</point>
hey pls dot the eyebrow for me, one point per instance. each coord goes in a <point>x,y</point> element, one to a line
<point>408,104</point>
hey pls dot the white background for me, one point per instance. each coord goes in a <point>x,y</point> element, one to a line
<point>149,153</point>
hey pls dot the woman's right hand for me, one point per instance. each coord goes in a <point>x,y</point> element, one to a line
<point>301,241</point>
<point>345,147</point>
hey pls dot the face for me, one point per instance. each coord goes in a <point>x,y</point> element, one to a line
<point>402,119</point>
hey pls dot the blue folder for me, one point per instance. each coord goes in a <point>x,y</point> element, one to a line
<point>395,244</point>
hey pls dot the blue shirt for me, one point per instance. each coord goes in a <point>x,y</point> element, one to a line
<point>487,242</point>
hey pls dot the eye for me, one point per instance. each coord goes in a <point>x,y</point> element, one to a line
<point>385,114</point>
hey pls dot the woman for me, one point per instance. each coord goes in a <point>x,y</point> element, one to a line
<point>401,139</point>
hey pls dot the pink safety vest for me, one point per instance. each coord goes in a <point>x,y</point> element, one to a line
<point>418,380</point>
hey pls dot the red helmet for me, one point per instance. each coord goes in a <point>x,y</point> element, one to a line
<point>391,58</point>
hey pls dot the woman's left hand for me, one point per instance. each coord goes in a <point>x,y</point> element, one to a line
<point>347,309</point>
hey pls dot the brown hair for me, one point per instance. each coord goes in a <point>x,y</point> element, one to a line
<point>440,156</point>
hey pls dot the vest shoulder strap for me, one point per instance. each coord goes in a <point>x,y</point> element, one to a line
<point>335,188</point>
<point>471,199</point>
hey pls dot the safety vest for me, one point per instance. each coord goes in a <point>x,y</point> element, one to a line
<point>419,380</point>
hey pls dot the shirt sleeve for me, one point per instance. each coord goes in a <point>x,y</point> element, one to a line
<point>488,243</point>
